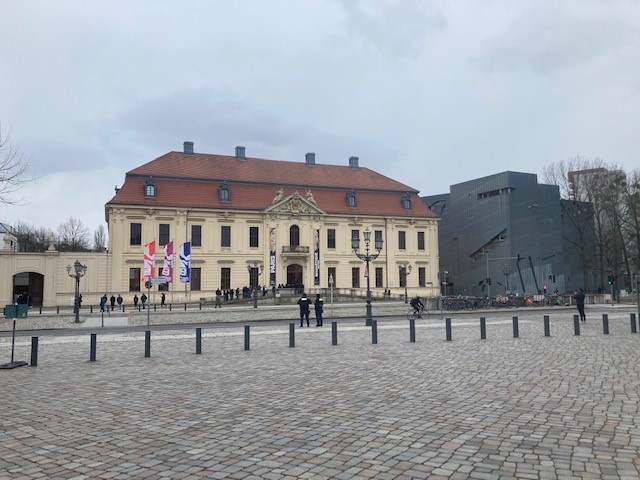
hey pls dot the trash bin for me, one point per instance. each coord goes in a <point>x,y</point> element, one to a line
<point>10,311</point>
<point>22,311</point>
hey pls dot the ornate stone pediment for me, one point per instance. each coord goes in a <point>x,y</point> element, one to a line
<point>294,204</point>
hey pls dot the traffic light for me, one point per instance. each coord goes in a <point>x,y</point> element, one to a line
<point>610,279</point>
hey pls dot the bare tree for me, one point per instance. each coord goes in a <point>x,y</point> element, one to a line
<point>30,238</point>
<point>13,170</point>
<point>99,239</point>
<point>73,236</point>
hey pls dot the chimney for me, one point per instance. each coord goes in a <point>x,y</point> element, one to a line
<point>353,162</point>
<point>310,158</point>
<point>188,148</point>
<point>240,153</point>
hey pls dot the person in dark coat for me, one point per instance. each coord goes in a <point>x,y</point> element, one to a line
<point>119,300</point>
<point>318,306</point>
<point>304,303</point>
<point>218,298</point>
<point>112,300</point>
<point>143,299</point>
<point>579,298</point>
<point>163,300</point>
<point>135,301</point>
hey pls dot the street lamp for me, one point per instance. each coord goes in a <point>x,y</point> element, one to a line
<point>367,257</point>
<point>78,271</point>
<point>406,270</point>
<point>258,266</point>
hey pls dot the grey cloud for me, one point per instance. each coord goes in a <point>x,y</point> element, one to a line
<point>398,29</point>
<point>548,40</point>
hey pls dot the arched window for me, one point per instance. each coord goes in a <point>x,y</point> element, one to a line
<point>223,192</point>
<point>351,199</point>
<point>294,236</point>
<point>150,188</point>
<point>406,201</point>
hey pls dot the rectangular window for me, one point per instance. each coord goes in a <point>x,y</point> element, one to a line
<point>253,237</point>
<point>196,235</point>
<point>196,275</point>
<point>379,281</point>
<point>331,274</point>
<point>402,271</point>
<point>402,240</point>
<point>134,279</point>
<point>225,278</point>
<point>377,236</point>
<point>331,238</point>
<point>163,234</point>
<point>355,277</point>
<point>420,240</point>
<point>135,237</point>
<point>225,236</point>
<point>253,277</point>
<point>422,277</point>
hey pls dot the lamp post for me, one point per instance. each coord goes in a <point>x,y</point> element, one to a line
<point>78,271</point>
<point>367,257</point>
<point>258,266</point>
<point>406,270</point>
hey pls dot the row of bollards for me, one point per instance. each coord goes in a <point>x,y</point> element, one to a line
<point>334,334</point>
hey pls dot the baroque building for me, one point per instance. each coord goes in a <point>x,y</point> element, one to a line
<point>253,221</point>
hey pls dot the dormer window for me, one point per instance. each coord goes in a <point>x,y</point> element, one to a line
<point>150,188</point>
<point>223,192</point>
<point>351,199</point>
<point>406,202</point>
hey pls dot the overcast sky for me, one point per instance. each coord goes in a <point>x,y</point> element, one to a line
<point>430,93</point>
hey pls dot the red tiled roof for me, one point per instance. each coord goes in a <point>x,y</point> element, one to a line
<point>223,167</point>
<point>192,181</point>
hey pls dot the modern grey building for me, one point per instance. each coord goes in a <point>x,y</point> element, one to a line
<point>506,233</point>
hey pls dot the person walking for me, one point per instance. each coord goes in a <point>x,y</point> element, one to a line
<point>304,303</point>
<point>119,300</point>
<point>579,298</point>
<point>135,301</point>
<point>318,306</point>
<point>218,299</point>
<point>112,300</point>
<point>163,300</point>
<point>143,299</point>
<point>103,302</point>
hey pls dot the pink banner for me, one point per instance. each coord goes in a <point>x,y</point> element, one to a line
<point>149,261</point>
<point>167,267</point>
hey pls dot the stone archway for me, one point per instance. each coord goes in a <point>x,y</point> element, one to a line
<point>31,283</point>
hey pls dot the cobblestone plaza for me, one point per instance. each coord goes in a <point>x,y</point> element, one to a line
<point>565,406</point>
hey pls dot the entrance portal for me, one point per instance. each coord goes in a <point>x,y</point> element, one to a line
<point>32,284</point>
<point>294,275</point>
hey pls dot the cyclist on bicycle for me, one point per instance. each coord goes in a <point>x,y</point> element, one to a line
<point>417,305</point>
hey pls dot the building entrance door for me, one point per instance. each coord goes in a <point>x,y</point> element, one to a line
<point>32,284</point>
<point>294,274</point>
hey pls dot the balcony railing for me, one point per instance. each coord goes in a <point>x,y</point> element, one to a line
<point>295,249</point>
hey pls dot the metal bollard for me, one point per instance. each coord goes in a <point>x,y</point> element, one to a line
<point>483,328</point>
<point>57,309</point>
<point>246,337</point>
<point>634,328</point>
<point>605,323</point>
<point>412,330</point>
<point>92,352</point>
<point>147,343</point>
<point>90,308</point>
<point>123,308</point>
<point>185,306</point>
<point>374,331</point>
<point>40,309</point>
<point>292,334</point>
<point>169,307</point>
<point>447,326</point>
<point>34,351</point>
<point>547,328</point>
<point>198,341</point>
<point>334,333</point>
<point>515,327</point>
<point>200,306</point>
<point>154,307</point>
<point>576,325</point>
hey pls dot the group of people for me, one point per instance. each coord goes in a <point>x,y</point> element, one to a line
<point>113,300</point>
<point>305,303</point>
